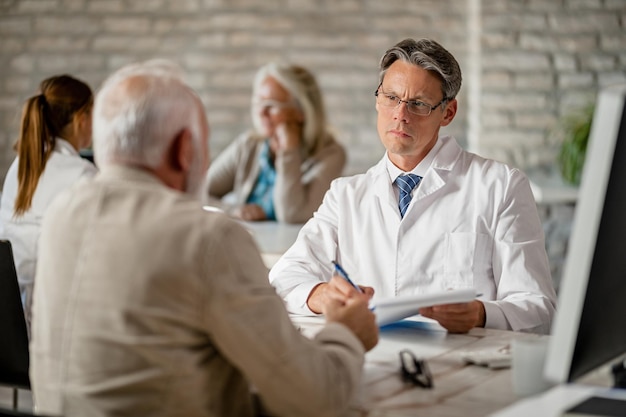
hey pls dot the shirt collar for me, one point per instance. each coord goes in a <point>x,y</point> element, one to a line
<point>64,147</point>
<point>420,169</point>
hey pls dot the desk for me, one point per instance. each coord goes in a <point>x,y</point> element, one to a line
<point>273,238</point>
<point>459,389</point>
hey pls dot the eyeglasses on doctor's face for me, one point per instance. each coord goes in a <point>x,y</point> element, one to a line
<point>414,370</point>
<point>392,101</point>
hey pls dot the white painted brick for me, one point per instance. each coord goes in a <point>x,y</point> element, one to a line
<point>146,6</point>
<point>583,22</point>
<point>328,42</point>
<point>495,119</point>
<point>613,41</point>
<point>577,80</point>
<point>564,62</point>
<point>303,5</point>
<point>72,5</point>
<point>211,41</point>
<point>11,45</point>
<point>534,120</point>
<point>535,81</point>
<point>22,63</point>
<point>398,22</point>
<point>66,25</point>
<point>538,42</point>
<point>542,5</point>
<point>512,21</point>
<point>578,43</point>
<point>70,63</point>
<point>187,6</point>
<point>598,62</point>
<point>131,25</point>
<point>37,6</point>
<point>583,4</point>
<point>14,25</point>
<point>110,43</point>
<point>19,85</point>
<point>497,79</point>
<point>58,44</point>
<point>105,6</point>
<point>9,103</point>
<point>514,101</point>
<point>163,25</point>
<point>574,100</point>
<point>611,78</point>
<point>517,61</point>
<point>615,4</point>
<point>498,40</point>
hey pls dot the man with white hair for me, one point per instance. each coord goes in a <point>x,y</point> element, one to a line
<point>147,305</point>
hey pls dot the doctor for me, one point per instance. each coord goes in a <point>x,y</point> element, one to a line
<point>463,222</point>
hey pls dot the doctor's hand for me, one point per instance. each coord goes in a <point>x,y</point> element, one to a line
<point>336,289</point>
<point>355,314</point>
<point>457,318</point>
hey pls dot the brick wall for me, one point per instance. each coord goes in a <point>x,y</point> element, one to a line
<point>221,43</point>
<point>525,62</point>
<point>540,60</point>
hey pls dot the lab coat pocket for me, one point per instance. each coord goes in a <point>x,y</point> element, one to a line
<point>467,255</point>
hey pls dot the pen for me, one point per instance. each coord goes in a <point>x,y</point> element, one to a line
<point>343,274</point>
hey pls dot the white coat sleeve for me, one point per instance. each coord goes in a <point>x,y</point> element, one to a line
<point>525,299</point>
<point>309,260</point>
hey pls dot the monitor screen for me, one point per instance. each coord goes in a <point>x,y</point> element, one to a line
<point>589,329</point>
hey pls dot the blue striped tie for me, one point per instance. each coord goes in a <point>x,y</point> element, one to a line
<point>406,183</point>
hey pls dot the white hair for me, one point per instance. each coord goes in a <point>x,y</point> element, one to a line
<point>139,110</point>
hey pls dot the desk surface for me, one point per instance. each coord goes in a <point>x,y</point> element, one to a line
<point>273,238</point>
<point>459,389</point>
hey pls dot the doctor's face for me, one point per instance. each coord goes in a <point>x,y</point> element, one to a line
<point>408,137</point>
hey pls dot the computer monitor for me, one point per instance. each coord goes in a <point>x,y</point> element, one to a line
<point>589,329</point>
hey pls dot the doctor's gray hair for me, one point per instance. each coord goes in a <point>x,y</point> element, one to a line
<point>304,90</point>
<point>139,110</point>
<point>429,55</point>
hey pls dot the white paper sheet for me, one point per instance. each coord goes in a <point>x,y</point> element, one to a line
<point>393,309</point>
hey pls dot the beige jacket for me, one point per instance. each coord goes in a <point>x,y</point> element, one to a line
<point>300,182</point>
<point>145,305</point>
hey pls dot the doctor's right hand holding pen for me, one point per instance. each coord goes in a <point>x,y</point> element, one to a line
<point>342,301</point>
<point>340,288</point>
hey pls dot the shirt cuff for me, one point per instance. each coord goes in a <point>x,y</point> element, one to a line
<point>494,317</point>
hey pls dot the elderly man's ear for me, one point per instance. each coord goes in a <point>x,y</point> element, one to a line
<point>181,152</point>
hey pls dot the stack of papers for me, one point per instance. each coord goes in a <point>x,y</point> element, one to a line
<point>393,309</point>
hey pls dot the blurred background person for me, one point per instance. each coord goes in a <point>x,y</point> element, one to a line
<point>281,169</point>
<point>55,125</point>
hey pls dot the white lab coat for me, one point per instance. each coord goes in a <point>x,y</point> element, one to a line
<point>472,222</point>
<point>64,168</point>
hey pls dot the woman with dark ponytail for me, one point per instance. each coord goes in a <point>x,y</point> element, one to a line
<point>56,124</point>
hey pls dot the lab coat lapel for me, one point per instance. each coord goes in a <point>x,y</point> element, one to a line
<point>382,188</point>
<point>439,171</point>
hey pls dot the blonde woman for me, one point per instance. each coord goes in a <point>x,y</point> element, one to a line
<point>56,124</point>
<point>282,168</point>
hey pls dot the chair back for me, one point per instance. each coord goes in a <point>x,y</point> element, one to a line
<point>14,357</point>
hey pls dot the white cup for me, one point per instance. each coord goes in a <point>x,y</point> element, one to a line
<point>528,359</point>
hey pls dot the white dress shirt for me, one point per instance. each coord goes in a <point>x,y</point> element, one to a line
<point>64,167</point>
<point>472,223</point>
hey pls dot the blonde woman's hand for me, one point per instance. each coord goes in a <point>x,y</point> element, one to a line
<point>250,212</point>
